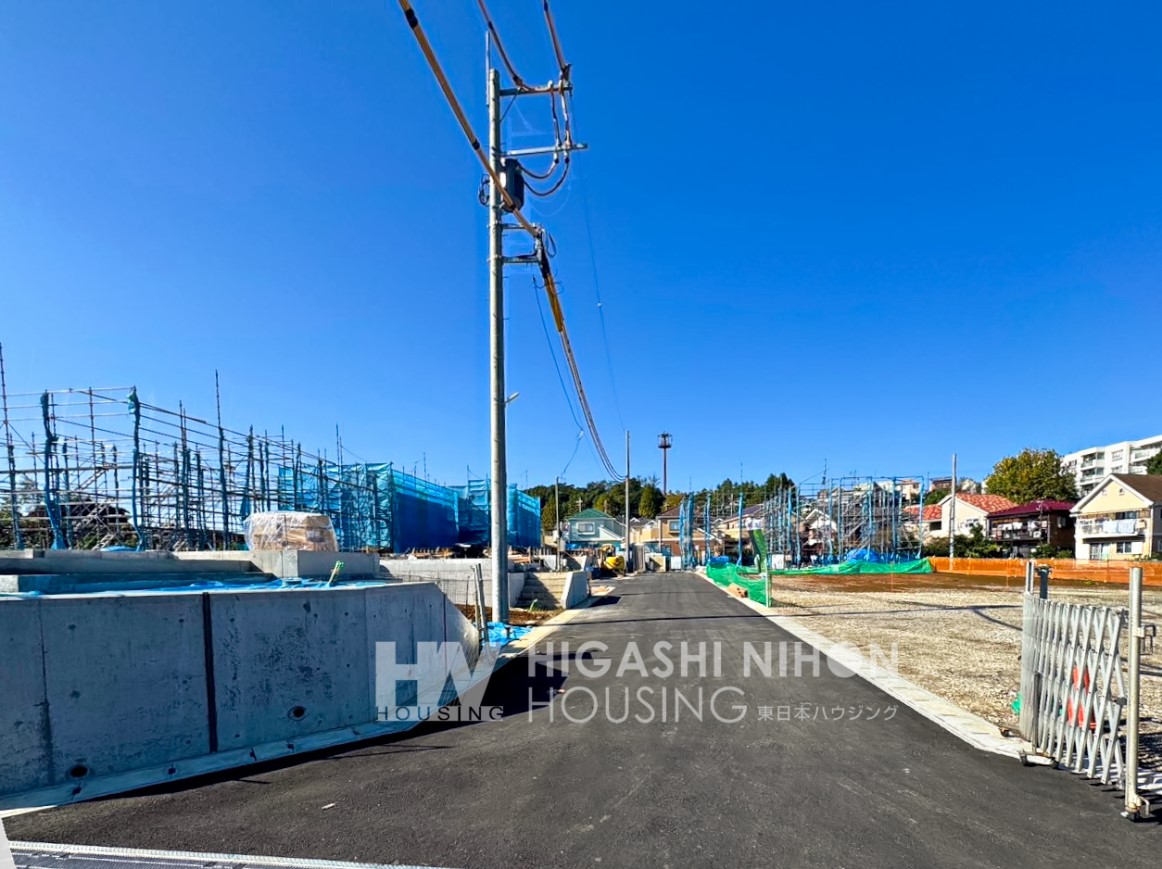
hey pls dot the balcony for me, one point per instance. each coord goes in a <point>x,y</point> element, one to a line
<point>1111,527</point>
<point>1023,531</point>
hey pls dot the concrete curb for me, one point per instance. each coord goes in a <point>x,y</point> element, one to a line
<point>961,723</point>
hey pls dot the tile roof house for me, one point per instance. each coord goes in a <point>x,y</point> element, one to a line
<point>931,517</point>
<point>971,512</point>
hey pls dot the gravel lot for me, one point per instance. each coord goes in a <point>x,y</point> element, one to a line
<point>959,637</point>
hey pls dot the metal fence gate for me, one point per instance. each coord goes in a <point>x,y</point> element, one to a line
<point>1079,699</point>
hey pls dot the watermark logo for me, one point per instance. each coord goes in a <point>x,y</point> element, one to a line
<point>440,684</point>
<point>670,682</point>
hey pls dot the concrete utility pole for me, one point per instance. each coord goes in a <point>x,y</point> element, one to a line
<point>557,516</point>
<point>627,502</point>
<point>665,441</point>
<point>499,499</point>
<point>952,517</point>
<point>505,166</point>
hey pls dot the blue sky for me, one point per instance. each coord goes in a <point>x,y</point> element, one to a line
<point>866,234</point>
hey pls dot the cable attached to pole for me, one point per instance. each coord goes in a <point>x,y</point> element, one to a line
<point>538,234</point>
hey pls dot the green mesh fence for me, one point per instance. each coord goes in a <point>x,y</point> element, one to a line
<point>746,577</point>
<point>755,583</point>
<point>922,565</point>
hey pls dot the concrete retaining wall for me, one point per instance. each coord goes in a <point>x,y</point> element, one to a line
<point>456,576</point>
<point>99,693</point>
<point>576,589</point>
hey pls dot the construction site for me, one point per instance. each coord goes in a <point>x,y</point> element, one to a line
<point>829,522</point>
<point>90,468</point>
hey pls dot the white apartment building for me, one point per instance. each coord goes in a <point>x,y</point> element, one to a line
<point>1090,466</point>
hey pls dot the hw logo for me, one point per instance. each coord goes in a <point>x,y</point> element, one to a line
<point>423,690</point>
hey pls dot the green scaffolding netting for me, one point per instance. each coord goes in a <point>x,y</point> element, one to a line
<point>746,577</point>
<point>921,565</point>
<point>755,583</point>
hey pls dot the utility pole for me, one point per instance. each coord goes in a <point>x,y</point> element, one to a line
<point>506,166</point>
<point>499,499</point>
<point>952,517</point>
<point>557,516</point>
<point>627,502</point>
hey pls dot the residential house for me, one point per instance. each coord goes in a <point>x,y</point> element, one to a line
<point>752,518</point>
<point>1039,523</point>
<point>933,519</point>
<point>592,528</point>
<point>1091,465</point>
<point>965,483</point>
<point>1121,518</point>
<point>659,532</point>
<point>971,512</point>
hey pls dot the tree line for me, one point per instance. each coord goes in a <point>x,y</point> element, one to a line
<point>645,496</point>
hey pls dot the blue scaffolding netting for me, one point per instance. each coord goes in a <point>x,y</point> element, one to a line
<point>375,506</point>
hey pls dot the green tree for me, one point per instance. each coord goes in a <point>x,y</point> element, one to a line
<point>1032,475</point>
<point>1154,466</point>
<point>935,496</point>
<point>651,501</point>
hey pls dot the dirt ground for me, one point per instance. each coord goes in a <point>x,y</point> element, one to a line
<point>515,616</point>
<point>959,637</point>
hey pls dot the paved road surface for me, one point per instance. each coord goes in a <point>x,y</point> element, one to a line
<point>886,789</point>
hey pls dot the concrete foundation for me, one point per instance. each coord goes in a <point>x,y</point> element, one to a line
<point>103,693</point>
<point>69,571</point>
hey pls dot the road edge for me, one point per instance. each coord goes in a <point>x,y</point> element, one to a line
<point>966,726</point>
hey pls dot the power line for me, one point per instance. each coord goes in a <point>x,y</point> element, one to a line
<point>537,233</point>
<point>600,303</point>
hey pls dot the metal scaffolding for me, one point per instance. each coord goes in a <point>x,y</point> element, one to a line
<point>98,468</point>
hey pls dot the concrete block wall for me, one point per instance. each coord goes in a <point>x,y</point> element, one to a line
<point>103,692</point>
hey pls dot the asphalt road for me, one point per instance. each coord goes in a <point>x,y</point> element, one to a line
<point>879,787</point>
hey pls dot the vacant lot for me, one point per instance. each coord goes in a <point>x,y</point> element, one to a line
<point>959,637</point>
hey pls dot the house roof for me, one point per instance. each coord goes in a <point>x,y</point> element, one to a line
<point>590,513</point>
<point>672,513</point>
<point>1146,486</point>
<point>988,503</point>
<point>747,511</point>
<point>931,512</point>
<point>1033,508</point>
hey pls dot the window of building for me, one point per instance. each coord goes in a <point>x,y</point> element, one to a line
<point>1129,547</point>
<point>1126,514</point>
<point>673,526</point>
<point>586,528</point>
<point>936,526</point>
<point>1116,455</point>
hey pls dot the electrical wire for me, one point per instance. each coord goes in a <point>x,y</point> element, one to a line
<point>538,234</point>
<point>513,74</point>
<point>556,42</point>
<point>553,354</point>
<point>600,303</point>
